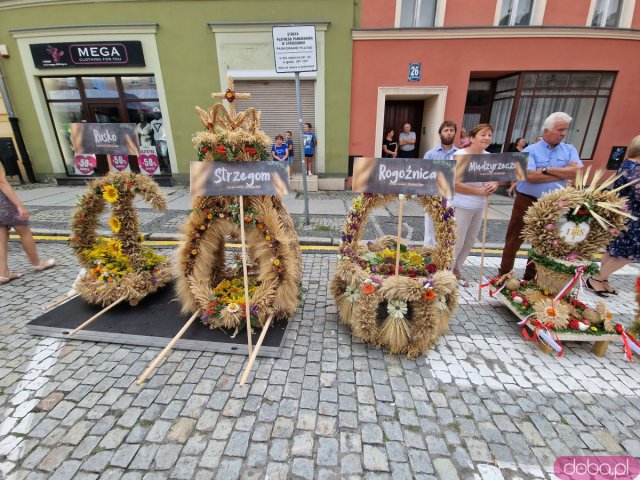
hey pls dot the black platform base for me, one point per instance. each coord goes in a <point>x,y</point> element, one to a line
<point>153,323</point>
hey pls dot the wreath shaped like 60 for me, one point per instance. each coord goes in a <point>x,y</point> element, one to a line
<point>405,313</point>
<point>120,266</point>
<point>204,283</point>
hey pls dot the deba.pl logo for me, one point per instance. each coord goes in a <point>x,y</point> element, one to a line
<point>597,468</point>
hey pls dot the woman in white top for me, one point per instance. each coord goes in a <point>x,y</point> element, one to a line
<point>469,201</point>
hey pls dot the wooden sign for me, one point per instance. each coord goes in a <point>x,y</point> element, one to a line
<point>495,167</point>
<point>238,178</point>
<point>104,138</point>
<point>409,176</point>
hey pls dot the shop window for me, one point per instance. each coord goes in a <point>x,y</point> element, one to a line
<point>582,95</point>
<point>516,12</point>
<point>113,99</point>
<point>418,13</point>
<point>606,13</point>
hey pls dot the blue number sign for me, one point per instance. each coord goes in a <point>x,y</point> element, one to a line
<point>415,70</point>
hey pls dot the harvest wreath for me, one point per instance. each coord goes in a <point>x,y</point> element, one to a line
<point>120,266</point>
<point>405,311</point>
<point>204,284</point>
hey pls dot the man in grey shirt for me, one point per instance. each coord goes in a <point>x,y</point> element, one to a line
<point>444,151</point>
<point>407,142</point>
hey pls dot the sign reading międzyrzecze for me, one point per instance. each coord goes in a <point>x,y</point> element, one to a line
<point>238,178</point>
<point>87,54</point>
<point>495,167</point>
<point>104,138</point>
<point>410,176</point>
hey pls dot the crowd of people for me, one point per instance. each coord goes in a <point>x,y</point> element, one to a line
<point>552,164</point>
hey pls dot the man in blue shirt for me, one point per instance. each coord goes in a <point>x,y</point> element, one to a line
<point>551,164</point>
<point>444,151</point>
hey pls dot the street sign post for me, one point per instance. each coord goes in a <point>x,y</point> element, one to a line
<point>294,47</point>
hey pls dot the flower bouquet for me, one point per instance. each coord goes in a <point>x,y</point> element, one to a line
<point>406,310</point>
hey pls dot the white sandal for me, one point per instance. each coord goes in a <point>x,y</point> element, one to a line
<point>12,276</point>
<point>45,265</point>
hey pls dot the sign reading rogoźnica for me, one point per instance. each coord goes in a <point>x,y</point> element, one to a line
<point>104,138</point>
<point>87,54</point>
<point>496,167</point>
<point>238,178</point>
<point>410,176</point>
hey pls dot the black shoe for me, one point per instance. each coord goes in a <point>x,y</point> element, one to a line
<point>600,293</point>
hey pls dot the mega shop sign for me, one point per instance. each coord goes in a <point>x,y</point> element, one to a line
<point>86,54</point>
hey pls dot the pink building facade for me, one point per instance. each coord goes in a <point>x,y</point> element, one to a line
<point>507,62</point>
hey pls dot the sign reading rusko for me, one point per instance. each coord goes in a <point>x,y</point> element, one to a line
<point>238,178</point>
<point>87,54</point>
<point>104,138</point>
<point>295,48</point>
<point>496,167</point>
<point>410,176</point>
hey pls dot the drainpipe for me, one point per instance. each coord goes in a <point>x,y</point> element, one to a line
<point>15,126</point>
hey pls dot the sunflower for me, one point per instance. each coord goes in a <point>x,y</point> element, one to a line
<point>115,247</point>
<point>110,194</point>
<point>114,223</point>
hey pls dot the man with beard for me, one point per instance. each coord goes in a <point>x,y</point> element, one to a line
<point>444,151</point>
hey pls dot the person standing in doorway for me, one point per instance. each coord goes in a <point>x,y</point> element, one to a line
<point>289,141</point>
<point>444,151</point>
<point>407,142</point>
<point>310,142</point>
<point>551,164</point>
<point>389,145</point>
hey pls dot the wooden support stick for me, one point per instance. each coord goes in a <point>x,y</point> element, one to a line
<point>246,276</point>
<point>164,352</point>
<point>97,315</point>
<point>484,245</point>
<point>59,301</point>
<point>254,354</point>
<point>399,239</point>
<point>600,348</point>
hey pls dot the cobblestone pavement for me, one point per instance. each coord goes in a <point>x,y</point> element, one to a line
<point>484,404</point>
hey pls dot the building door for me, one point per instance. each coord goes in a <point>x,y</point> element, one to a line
<point>399,112</point>
<point>105,113</point>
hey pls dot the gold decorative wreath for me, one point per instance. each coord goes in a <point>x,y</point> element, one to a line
<point>405,314</point>
<point>121,266</point>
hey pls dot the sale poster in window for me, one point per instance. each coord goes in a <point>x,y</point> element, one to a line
<point>119,163</point>
<point>148,161</point>
<point>84,164</point>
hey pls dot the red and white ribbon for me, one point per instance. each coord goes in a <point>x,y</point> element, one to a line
<point>577,276</point>
<point>629,341</point>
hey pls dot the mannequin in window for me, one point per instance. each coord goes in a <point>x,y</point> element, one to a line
<point>160,138</point>
<point>144,130</point>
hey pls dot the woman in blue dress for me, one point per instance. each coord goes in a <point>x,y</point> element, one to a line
<point>625,248</point>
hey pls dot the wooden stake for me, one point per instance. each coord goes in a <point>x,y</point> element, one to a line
<point>246,276</point>
<point>164,352</point>
<point>59,301</point>
<point>484,244</point>
<point>399,236</point>
<point>254,354</point>
<point>97,315</point>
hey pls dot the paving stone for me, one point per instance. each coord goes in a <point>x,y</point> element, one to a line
<point>375,458</point>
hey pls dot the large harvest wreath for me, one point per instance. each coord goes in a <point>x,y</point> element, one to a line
<point>120,266</point>
<point>568,226</point>
<point>204,282</point>
<point>407,312</point>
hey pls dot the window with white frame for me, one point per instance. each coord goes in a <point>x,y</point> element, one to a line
<point>607,13</point>
<point>516,12</point>
<point>418,13</point>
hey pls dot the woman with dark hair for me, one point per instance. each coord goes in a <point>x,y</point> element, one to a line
<point>519,145</point>
<point>389,145</point>
<point>469,201</point>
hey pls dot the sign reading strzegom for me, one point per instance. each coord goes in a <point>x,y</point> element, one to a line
<point>495,167</point>
<point>295,48</point>
<point>104,138</point>
<point>238,178</point>
<point>87,54</point>
<point>410,176</point>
